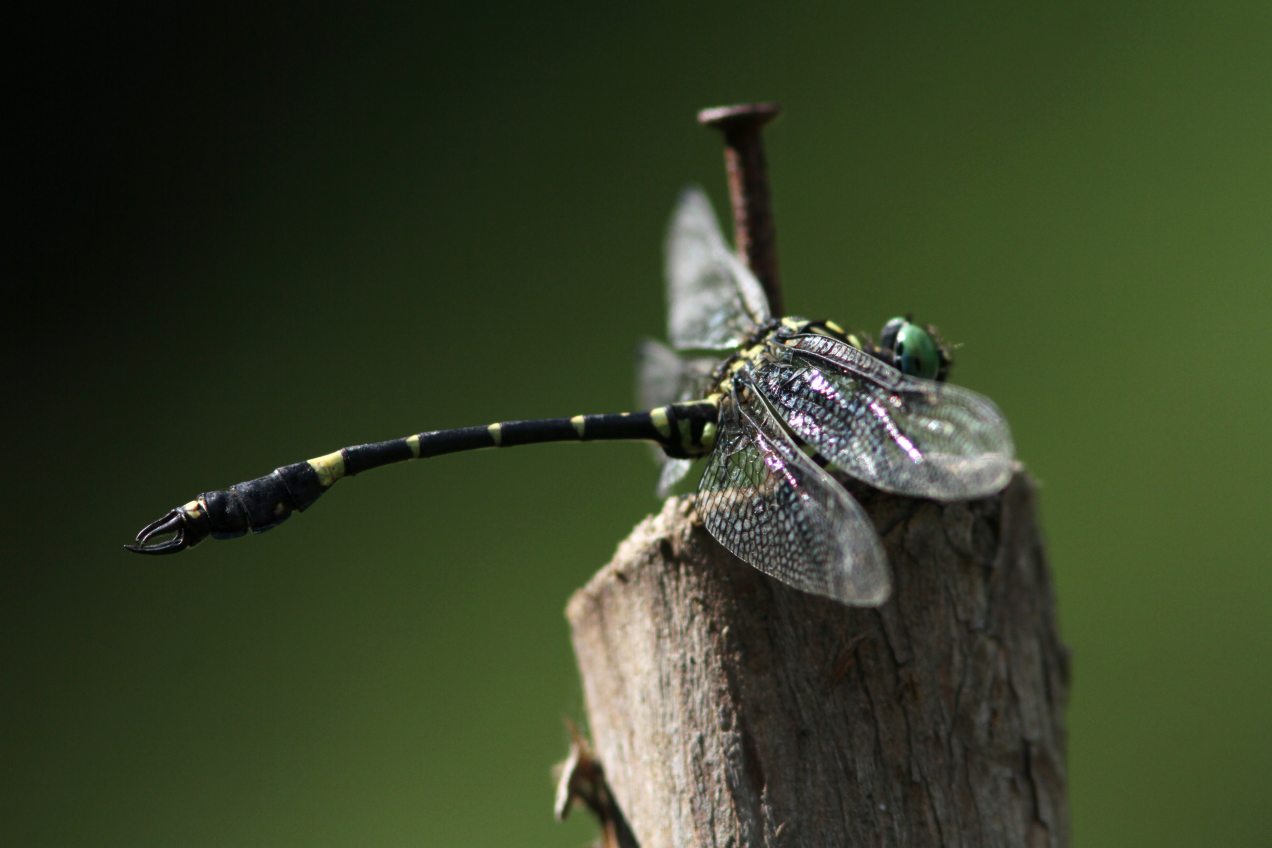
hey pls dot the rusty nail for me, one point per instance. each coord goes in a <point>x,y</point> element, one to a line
<point>753,231</point>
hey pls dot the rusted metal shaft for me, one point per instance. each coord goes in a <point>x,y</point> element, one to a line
<point>754,234</point>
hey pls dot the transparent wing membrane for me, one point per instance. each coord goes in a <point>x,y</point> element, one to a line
<point>713,300</point>
<point>671,473</point>
<point>664,376</point>
<point>897,433</point>
<point>774,508</point>
<point>761,495</point>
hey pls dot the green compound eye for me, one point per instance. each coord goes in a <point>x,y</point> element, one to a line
<point>916,352</point>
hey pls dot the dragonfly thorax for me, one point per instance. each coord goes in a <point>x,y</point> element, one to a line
<point>760,346</point>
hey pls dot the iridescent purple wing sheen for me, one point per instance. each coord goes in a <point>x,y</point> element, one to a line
<point>897,433</point>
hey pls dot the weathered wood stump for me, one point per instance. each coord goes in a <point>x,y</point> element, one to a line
<point>729,709</point>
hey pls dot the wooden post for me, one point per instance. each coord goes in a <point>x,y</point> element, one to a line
<point>728,709</point>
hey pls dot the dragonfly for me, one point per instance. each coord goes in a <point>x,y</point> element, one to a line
<point>786,412</point>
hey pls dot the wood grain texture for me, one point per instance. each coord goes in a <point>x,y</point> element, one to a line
<point>728,709</point>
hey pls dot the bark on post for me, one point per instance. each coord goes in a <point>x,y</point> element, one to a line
<point>728,709</point>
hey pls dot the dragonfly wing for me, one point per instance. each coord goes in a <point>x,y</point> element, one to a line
<point>673,471</point>
<point>897,433</point>
<point>713,300</point>
<point>771,506</point>
<point>664,376</point>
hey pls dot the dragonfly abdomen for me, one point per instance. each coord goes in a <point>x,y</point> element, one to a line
<point>683,430</point>
<point>255,506</point>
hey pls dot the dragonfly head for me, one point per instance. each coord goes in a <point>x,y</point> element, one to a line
<point>916,350</point>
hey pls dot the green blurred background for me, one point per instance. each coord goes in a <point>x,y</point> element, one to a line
<point>249,237</point>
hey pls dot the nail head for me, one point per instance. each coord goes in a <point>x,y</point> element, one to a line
<point>741,114</point>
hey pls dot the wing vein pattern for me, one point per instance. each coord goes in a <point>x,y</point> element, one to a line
<point>895,432</point>
<point>713,299</point>
<point>773,507</point>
